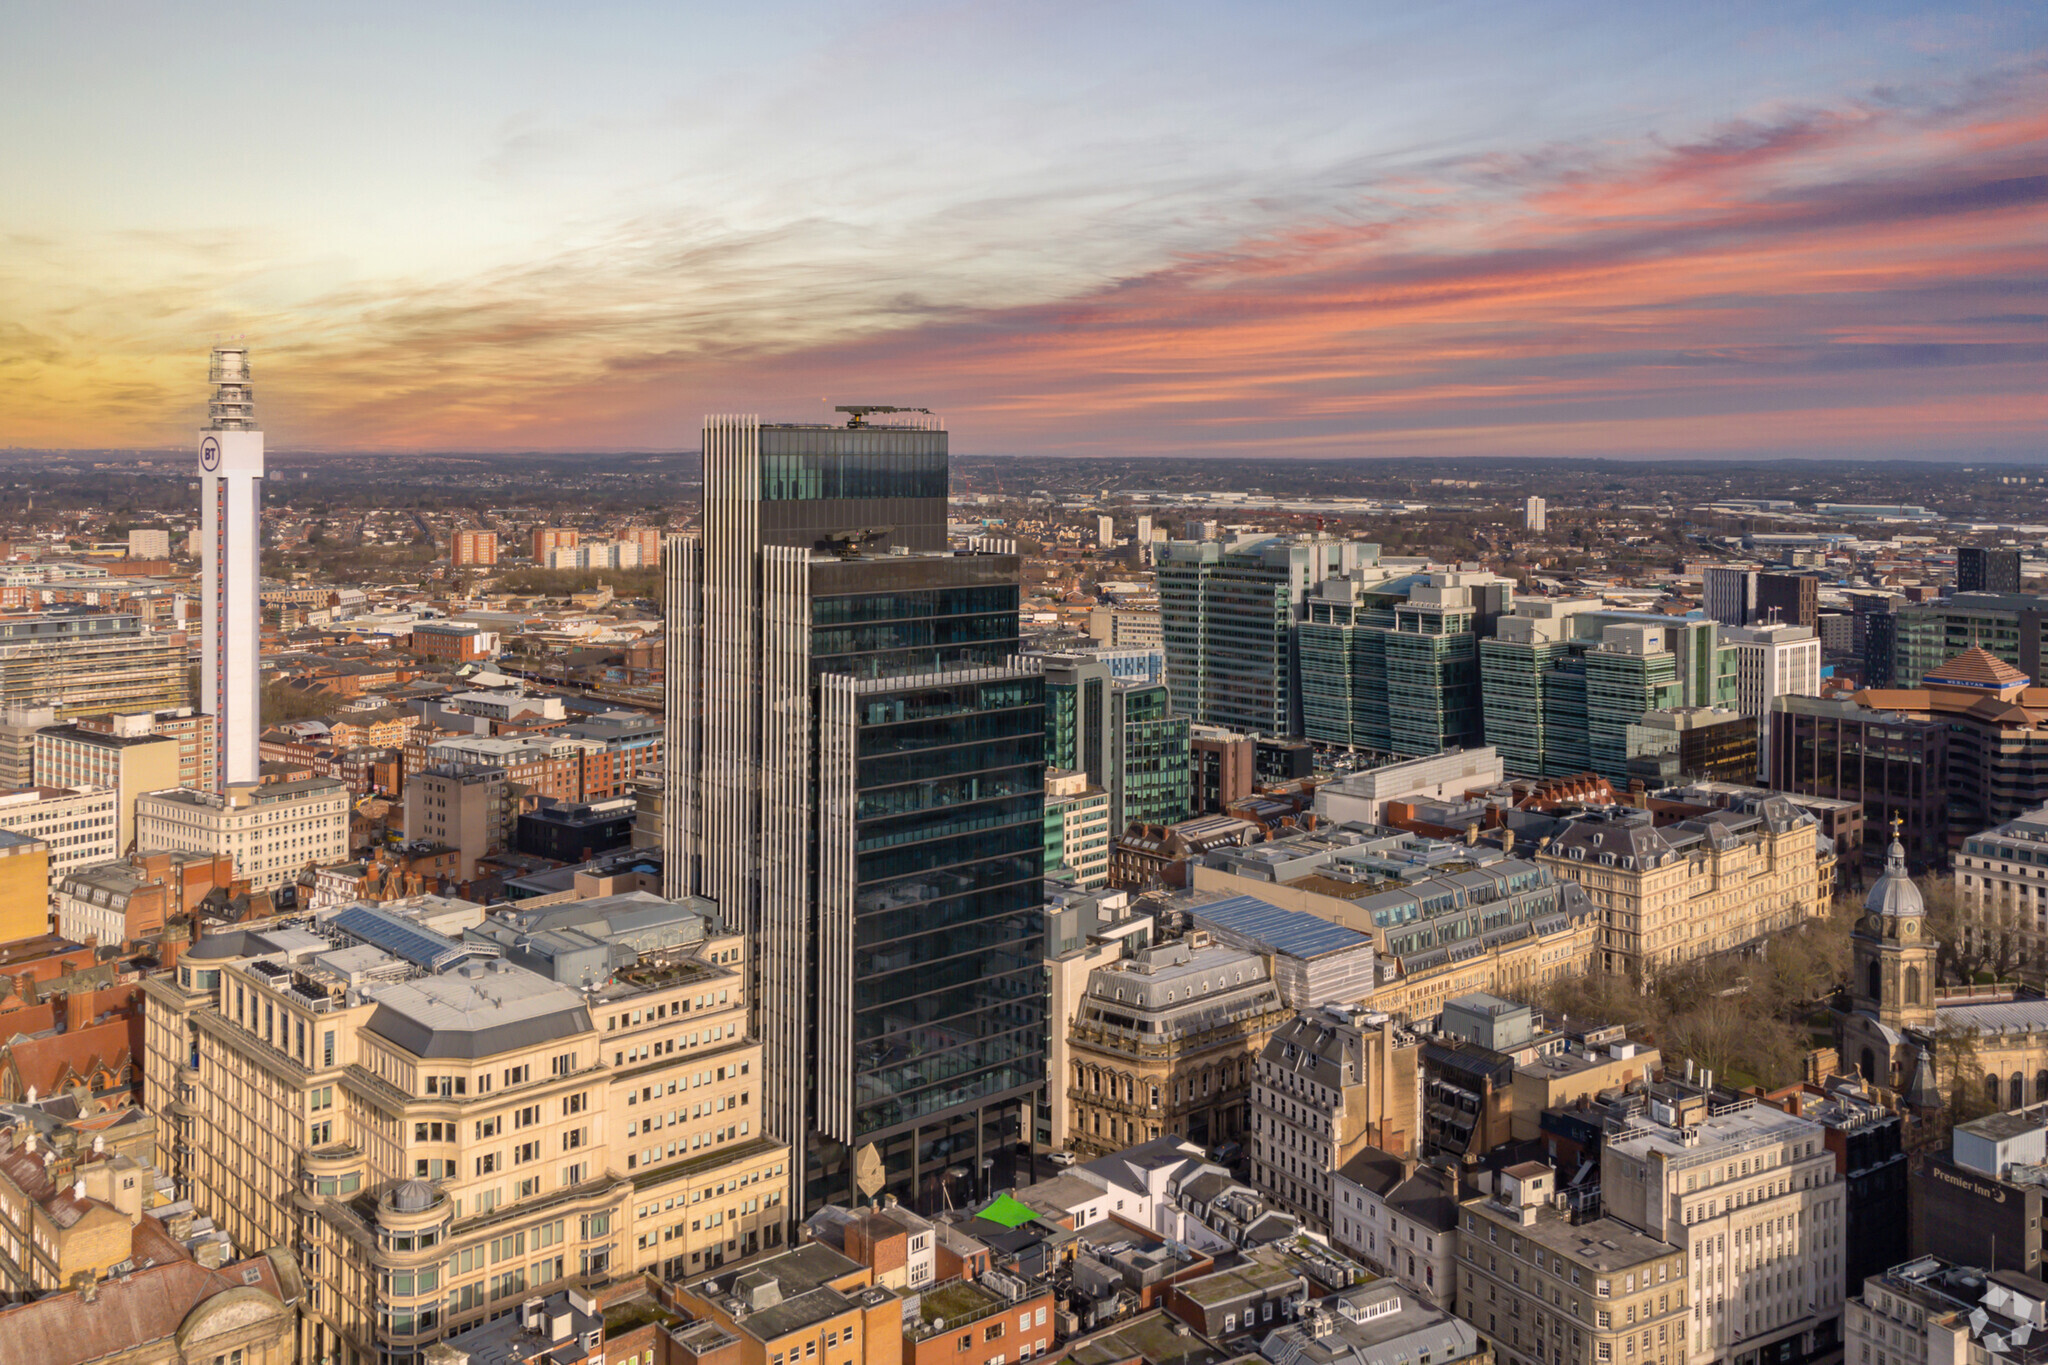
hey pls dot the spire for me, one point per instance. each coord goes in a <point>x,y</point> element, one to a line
<point>1894,892</point>
<point>1921,1091</point>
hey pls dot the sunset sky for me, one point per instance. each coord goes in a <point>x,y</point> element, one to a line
<point>1095,228</point>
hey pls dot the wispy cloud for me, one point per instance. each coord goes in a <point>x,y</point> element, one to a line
<point>1848,274</point>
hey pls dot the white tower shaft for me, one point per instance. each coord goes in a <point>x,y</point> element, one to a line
<point>230,529</point>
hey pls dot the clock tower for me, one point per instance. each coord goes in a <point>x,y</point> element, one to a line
<point>1892,979</point>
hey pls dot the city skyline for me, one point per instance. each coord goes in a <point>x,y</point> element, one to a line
<point>1073,231</point>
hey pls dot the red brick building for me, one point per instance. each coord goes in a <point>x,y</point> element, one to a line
<point>546,538</point>
<point>474,548</point>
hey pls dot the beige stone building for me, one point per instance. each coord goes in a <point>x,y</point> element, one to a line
<point>1084,931</point>
<point>467,806</point>
<point>131,761</point>
<point>1716,882</point>
<point>272,831</point>
<point>1330,1083</point>
<point>1446,919</point>
<point>444,1127</point>
<point>1549,1290</point>
<point>1752,1199</point>
<point>80,824</point>
<point>1164,1041</point>
<point>1606,1058</point>
<point>2001,884</point>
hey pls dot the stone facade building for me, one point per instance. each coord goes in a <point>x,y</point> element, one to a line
<point>1750,1196</point>
<point>1330,1083</point>
<point>1164,1042</point>
<point>1714,883</point>
<point>1552,1290</point>
<point>443,1126</point>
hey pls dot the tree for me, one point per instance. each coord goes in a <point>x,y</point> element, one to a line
<point>283,704</point>
<point>1959,1076</point>
<point>1955,959</point>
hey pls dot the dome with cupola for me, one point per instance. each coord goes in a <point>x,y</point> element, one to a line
<point>1894,896</point>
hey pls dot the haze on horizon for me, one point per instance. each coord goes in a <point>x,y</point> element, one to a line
<point>1111,229</point>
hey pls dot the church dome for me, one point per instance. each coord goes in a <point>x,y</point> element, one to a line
<point>1894,893</point>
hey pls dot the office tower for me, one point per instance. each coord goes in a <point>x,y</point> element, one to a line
<point>1692,744</point>
<point>1076,828</point>
<point>1230,617</point>
<point>1895,766</point>
<point>1123,734</point>
<point>1221,766</point>
<point>1770,662</point>
<point>1105,531</point>
<point>474,548</point>
<point>132,761</point>
<point>19,726</point>
<point>1535,516</point>
<point>1927,635</point>
<point>1837,632</point>
<point>1563,679</point>
<point>1393,666</point>
<point>90,665</point>
<point>1729,595</point>
<point>1125,627</point>
<point>1982,570</point>
<point>1880,647</point>
<point>1789,599</point>
<point>231,554</point>
<point>855,759</point>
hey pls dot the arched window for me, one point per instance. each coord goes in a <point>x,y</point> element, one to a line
<point>2041,1085</point>
<point>1991,1090</point>
<point>1869,1065</point>
<point>1912,985</point>
<point>2018,1091</point>
<point>1876,981</point>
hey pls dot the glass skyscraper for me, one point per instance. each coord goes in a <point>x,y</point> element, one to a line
<point>1229,616</point>
<point>1124,734</point>
<point>1391,665</point>
<point>856,761</point>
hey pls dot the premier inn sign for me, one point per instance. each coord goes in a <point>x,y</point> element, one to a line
<point>1977,1187</point>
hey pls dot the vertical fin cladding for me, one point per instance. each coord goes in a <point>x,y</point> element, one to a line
<point>838,736</point>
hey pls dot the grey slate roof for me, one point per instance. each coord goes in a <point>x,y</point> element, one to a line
<point>476,1012</point>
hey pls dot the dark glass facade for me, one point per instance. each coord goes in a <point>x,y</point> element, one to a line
<point>886,484</point>
<point>867,769</point>
<point>949,1001</point>
<point>1155,764</point>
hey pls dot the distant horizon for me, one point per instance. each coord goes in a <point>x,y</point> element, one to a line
<point>2039,459</point>
<point>1798,229</point>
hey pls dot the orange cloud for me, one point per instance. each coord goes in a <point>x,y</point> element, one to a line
<point>1863,279</point>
